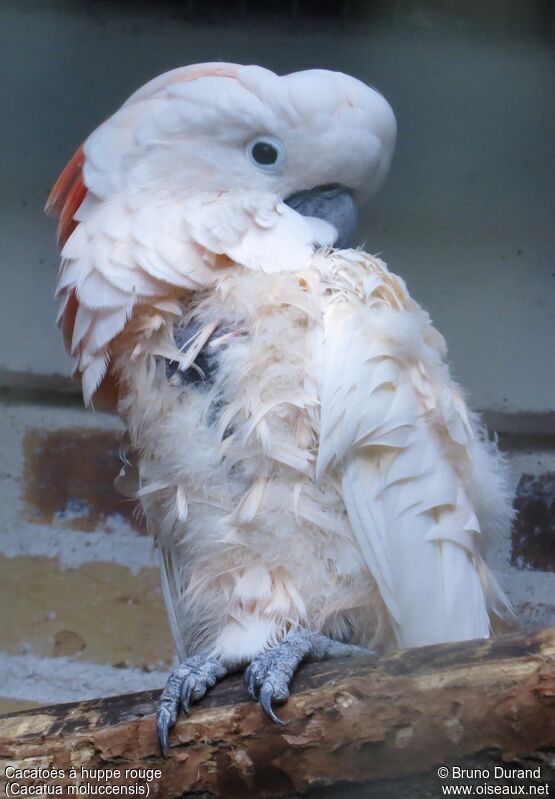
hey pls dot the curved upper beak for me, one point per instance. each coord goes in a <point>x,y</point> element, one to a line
<point>334,204</point>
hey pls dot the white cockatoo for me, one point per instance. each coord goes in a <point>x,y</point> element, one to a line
<point>312,475</point>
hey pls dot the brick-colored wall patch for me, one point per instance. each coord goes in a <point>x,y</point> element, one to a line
<point>69,479</point>
<point>99,612</point>
<point>533,539</point>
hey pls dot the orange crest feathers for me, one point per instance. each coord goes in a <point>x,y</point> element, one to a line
<point>65,198</point>
<point>67,195</point>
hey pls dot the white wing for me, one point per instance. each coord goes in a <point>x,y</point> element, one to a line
<point>395,430</point>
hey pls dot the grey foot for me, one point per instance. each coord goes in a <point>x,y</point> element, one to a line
<point>188,683</point>
<point>268,676</point>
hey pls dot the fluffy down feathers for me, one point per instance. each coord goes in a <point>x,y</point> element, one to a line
<point>330,469</point>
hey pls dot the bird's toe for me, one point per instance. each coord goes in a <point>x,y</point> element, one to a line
<point>269,675</point>
<point>188,683</point>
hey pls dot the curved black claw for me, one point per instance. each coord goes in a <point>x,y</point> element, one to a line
<point>188,683</point>
<point>251,683</point>
<point>265,698</point>
<point>164,722</point>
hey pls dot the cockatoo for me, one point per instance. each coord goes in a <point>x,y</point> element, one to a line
<point>313,478</point>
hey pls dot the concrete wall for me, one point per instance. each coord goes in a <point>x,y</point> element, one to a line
<point>466,217</point>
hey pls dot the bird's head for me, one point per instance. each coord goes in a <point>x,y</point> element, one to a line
<point>206,166</point>
<point>244,153</point>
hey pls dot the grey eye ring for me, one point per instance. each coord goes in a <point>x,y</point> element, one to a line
<point>266,153</point>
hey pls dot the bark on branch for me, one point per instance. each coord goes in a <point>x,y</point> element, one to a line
<point>353,721</point>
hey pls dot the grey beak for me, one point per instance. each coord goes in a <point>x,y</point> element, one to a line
<point>332,203</point>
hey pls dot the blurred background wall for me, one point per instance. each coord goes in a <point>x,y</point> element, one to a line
<point>467,217</point>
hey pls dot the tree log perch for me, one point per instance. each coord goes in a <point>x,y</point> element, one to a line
<point>352,721</point>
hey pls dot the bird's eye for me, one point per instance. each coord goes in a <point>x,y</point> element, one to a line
<point>266,152</point>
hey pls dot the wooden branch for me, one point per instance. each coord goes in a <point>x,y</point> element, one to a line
<point>350,721</point>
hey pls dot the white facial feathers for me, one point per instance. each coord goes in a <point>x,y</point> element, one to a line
<point>190,134</point>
